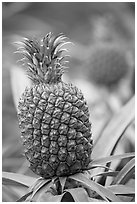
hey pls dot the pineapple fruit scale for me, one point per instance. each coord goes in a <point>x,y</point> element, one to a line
<point>53,115</point>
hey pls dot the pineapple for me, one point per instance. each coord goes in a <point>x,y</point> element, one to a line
<point>108,64</point>
<point>53,115</point>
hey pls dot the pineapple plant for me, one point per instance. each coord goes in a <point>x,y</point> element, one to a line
<point>108,64</point>
<point>53,115</point>
<point>61,156</point>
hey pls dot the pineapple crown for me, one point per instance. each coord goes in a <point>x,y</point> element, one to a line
<point>44,59</point>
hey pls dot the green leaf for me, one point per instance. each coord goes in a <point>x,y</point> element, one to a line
<point>62,182</point>
<point>40,195</point>
<point>133,199</point>
<point>49,197</point>
<point>125,198</point>
<point>17,179</point>
<point>40,183</point>
<point>78,194</point>
<point>6,181</point>
<point>110,159</point>
<point>126,173</point>
<point>31,188</point>
<point>121,189</point>
<point>67,197</point>
<point>94,200</point>
<point>8,194</point>
<point>23,198</point>
<point>92,167</point>
<point>102,191</point>
<point>109,173</point>
<point>114,130</point>
<point>97,162</point>
<point>128,176</point>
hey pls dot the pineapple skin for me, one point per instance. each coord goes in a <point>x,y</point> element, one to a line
<point>55,129</point>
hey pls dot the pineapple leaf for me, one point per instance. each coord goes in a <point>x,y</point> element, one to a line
<point>127,198</point>
<point>67,197</point>
<point>28,56</point>
<point>94,200</point>
<point>97,166</point>
<point>133,199</point>
<point>59,38</point>
<point>17,179</point>
<point>9,194</point>
<point>31,45</point>
<point>43,190</point>
<point>40,183</point>
<point>49,197</point>
<point>37,183</point>
<point>11,182</point>
<point>43,56</point>
<point>62,182</point>
<point>101,190</point>
<point>121,189</point>
<point>23,198</point>
<point>125,174</point>
<point>110,173</point>
<point>114,130</point>
<point>111,158</point>
<point>29,48</point>
<point>21,60</point>
<point>59,53</point>
<point>78,194</point>
<point>97,162</point>
<point>31,68</point>
<point>58,47</point>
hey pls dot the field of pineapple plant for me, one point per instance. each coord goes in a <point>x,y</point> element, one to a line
<point>71,135</point>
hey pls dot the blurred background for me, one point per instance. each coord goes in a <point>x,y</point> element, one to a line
<point>101,64</point>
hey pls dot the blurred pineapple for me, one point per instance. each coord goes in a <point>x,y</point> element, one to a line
<point>108,64</point>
